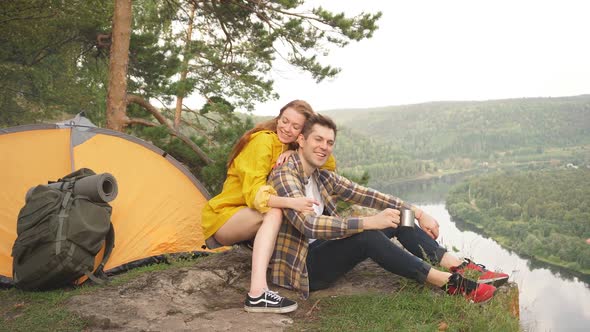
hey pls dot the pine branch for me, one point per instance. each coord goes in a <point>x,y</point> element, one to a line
<point>162,120</point>
<point>141,121</point>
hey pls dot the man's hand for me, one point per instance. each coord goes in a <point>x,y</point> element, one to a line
<point>429,225</point>
<point>384,219</point>
<point>302,204</point>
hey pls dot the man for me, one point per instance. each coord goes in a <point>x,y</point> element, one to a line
<point>315,249</point>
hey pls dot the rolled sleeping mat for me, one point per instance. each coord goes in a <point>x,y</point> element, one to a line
<point>99,188</point>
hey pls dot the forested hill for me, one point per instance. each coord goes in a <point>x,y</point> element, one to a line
<point>439,130</point>
<point>543,214</point>
<point>398,142</point>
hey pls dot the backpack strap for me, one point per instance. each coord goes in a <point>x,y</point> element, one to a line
<point>67,201</point>
<point>98,276</point>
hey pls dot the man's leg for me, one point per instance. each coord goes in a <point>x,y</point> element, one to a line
<point>423,246</point>
<point>329,260</point>
<point>416,241</point>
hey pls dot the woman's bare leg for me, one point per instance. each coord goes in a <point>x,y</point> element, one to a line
<point>247,224</point>
<point>242,226</point>
<point>264,244</point>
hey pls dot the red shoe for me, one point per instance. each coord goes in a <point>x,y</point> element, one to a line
<point>471,290</point>
<point>484,276</point>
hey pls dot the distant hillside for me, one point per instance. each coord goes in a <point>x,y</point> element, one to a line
<point>400,142</point>
<point>474,129</point>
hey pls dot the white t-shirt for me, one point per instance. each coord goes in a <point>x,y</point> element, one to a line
<point>312,191</point>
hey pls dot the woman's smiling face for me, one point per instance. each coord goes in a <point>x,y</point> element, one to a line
<point>289,125</point>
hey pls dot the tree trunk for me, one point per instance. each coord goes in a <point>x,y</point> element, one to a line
<point>119,58</point>
<point>182,92</point>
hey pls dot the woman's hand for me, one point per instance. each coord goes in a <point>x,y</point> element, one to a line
<point>429,225</point>
<point>283,157</point>
<point>303,204</point>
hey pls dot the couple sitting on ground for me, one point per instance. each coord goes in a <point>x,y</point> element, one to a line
<point>293,218</point>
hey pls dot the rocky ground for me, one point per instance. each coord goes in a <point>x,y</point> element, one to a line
<point>209,297</point>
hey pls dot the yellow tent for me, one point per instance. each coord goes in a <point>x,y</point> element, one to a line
<point>159,202</point>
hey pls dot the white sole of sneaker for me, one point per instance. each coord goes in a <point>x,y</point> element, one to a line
<point>282,310</point>
<point>494,282</point>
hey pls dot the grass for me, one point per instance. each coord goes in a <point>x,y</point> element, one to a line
<point>37,311</point>
<point>45,311</point>
<point>412,308</point>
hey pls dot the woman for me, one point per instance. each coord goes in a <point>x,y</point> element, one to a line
<point>247,208</point>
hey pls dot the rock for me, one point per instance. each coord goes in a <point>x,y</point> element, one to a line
<point>207,296</point>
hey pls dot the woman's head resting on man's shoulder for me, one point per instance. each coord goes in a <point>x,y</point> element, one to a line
<point>291,120</point>
<point>288,125</point>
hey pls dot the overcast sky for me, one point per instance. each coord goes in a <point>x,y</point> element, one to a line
<point>434,50</point>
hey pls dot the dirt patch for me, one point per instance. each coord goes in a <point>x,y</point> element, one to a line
<point>208,296</point>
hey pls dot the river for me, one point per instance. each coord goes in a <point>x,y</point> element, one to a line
<point>551,299</point>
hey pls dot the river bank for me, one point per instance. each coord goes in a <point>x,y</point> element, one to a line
<point>581,273</point>
<point>538,214</point>
<point>551,298</point>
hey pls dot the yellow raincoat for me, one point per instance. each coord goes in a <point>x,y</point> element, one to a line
<point>245,185</point>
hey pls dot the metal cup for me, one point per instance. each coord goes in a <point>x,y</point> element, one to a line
<point>407,218</point>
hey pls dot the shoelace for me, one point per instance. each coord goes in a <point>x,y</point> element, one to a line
<point>462,284</point>
<point>273,295</point>
<point>483,267</point>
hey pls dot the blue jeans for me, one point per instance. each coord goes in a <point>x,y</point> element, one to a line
<point>328,260</point>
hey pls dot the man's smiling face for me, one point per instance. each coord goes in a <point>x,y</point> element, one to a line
<point>317,147</point>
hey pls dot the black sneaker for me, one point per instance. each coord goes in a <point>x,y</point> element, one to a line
<point>269,301</point>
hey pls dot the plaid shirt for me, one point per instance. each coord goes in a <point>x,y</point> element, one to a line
<point>288,263</point>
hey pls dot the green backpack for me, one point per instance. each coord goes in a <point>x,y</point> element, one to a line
<point>59,235</point>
